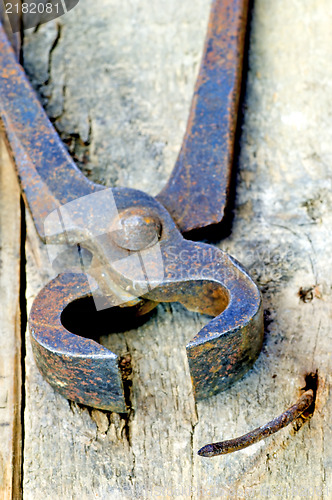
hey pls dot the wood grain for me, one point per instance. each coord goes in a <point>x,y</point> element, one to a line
<point>117,83</point>
<point>10,330</point>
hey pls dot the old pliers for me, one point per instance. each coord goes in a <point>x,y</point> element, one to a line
<point>135,255</point>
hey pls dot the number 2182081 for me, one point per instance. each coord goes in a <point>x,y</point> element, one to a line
<point>32,8</point>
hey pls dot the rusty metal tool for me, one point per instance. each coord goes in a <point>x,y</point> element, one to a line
<point>144,237</point>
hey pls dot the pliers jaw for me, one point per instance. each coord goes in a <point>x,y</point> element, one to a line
<point>212,282</point>
<point>78,368</point>
<point>199,276</point>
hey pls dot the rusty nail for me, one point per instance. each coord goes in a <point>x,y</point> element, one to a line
<point>291,414</point>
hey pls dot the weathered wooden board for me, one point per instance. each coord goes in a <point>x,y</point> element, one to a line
<point>117,81</point>
<point>10,330</point>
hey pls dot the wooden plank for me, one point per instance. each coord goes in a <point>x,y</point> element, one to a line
<point>124,127</point>
<point>10,331</point>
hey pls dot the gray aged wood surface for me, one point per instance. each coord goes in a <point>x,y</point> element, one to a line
<point>10,331</point>
<point>116,78</point>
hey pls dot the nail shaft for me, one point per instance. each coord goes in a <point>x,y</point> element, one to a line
<point>291,414</point>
